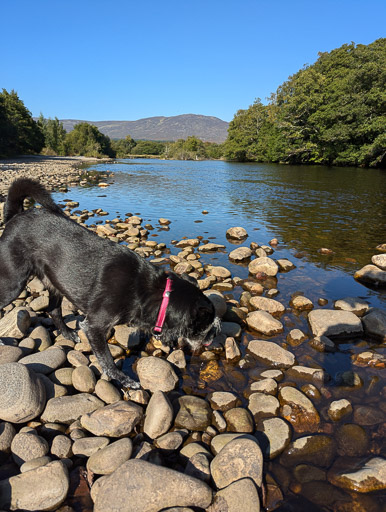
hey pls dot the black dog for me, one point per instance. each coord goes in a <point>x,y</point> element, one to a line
<point>109,283</point>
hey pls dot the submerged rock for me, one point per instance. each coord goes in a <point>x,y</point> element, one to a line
<point>263,322</point>
<point>367,477</point>
<point>371,274</point>
<point>271,354</point>
<point>334,323</point>
<point>374,323</point>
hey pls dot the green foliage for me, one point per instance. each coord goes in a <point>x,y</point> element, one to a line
<point>193,149</point>
<point>86,140</point>
<point>332,112</point>
<point>54,135</point>
<point>148,147</point>
<point>19,133</point>
<point>123,147</point>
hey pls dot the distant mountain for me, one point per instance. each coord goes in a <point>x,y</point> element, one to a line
<point>206,128</point>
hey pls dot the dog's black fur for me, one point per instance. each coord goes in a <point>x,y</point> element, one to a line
<point>109,283</point>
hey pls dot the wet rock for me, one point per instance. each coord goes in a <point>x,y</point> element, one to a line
<point>322,344</point>
<point>352,440</point>
<point>316,449</point>
<point>379,260</point>
<point>159,415</point>
<point>306,373</point>
<point>22,393</point>
<point>285,265</point>
<point>218,301</point>
<point>267,386</point>
<point>219,272</point>
<point>156,374</point>
<point>67,409</point>
<point>240,458</point>
<point>334,323</point>
<point>271,306</point>
<point>232,351</point>
<point>240,254</point>
<point>87,446</point>
<point>46,361</point>
<point>139,486</point>
<point>223,400</point>
<point>298,410</point>
<point>114,420</point>
<point>239,420</point>
<point>106,460</point>
<point>278,434</point>
<point>296,337</point>
<point>371,274</point>
<point>242,491</point>
<point>190,242</point>
<point>271,354</point>
<point>230,329</point>
<point>211,247</point>
<point>323,494</point>
<point>263,406</point>
<point>301,303</point>
<point>366,415</point>
<point>353,304</point>
<point>236,233</point>
<point>363,477</point>
<point>177,357</point>
<point>126,336</point>
<point>349,379</point>
<point>194,413</point>
<point>211,372</point>
<point>15,324</point>
<point>44,488</point>
<point>374,323</point>
<point>307,473</point>
<point>278,375</point>
<point>264,265</point>
<point>338,409</point>
<point>263,322</point>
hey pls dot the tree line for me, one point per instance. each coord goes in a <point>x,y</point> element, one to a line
<point>331,112</point>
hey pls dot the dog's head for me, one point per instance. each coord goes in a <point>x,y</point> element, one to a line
<point>190,315</point>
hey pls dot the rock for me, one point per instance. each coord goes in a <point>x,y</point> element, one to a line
<point>285,265</point>
<point>338,409</point>
<point>264,265</point>
<point>61,447</point>
<point>298,410</point>
<point>240,254</point>
<point>374,323</point>
<point>367,416</point>
<point>183,268</point>
<point>126,336</point>
<point>198,467</point>
<point>7,433</point>
<point>106,460</point>
<point>43,488</point>
<point>379,260</point>
<point>114,420</point>
<point>211,372</point>
<point>169,441</point>
<point>41,337</point>
<point>83,379</point>
<point>240,458</point>
<point>45,362</point>
<point>236,233</point>
<point>307,473</point>
<point>371,274</point>
<point>230,329</point>
<point>87,446</point>
<point>349,379</point>
<point>177,358</point>
<point>306,373</point>
<point>295,337</point>
<point>278,375</point>
<point>223,400</point>
<point>353,304</point>
<point>218,301</point>
<point>301,303</point>
<point>263,322</point>
<point>271,354</point>
<point>15,324</point>
<point>322,344</point>
<point>211,247</point>
<point>156,374</point>
<point>67,409</point>
<point>22,393</point>
<point>35,463</point>
<point>263,406</point>
<point>239,420</point>
<point>159,415</point>
<point>278,434</point>
<point>191,449</point>
<point>219,272</point>
<point>242,491</point>
<point>107,392</point>
<point>10,354</point>
<point>267,386</point>
<point>363,477</point>
<point>232,351</point>
<point>190,242</point>
<point>194,413</point>
<point>352,440</point>
<point>139,486</point>
<point>272,306</point>
<point>40,303</point>
<point>164,222</point>
<point>333,323</point>
<point>316,449</point>
<point>52,390</point>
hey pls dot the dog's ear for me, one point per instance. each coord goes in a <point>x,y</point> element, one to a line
<point>189,278</point>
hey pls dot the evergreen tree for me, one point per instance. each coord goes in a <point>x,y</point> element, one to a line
<point>54,135</point>
<point>85,139</point>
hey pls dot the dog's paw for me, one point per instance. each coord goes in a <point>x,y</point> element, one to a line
<point>130,383</point>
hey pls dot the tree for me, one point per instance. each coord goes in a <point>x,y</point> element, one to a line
<point>148,147</point>
<point>19,133</point>
<point>85,139</point>
<point>123,147</point>
<point>54,135</point>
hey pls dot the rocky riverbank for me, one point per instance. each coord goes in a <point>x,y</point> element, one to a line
<point>255,419</point>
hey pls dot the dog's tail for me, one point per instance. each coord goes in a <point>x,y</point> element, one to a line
<point>25,187</point>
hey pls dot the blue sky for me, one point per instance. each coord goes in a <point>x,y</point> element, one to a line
<point>125,60</point>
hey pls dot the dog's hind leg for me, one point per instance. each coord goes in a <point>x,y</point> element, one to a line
<point>12,280</point>
<point>55,311</point>
<point>97,338</point>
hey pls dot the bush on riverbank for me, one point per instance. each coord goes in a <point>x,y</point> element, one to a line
<point>330,113</point>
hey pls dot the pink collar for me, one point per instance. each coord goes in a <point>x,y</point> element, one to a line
<point>162,310</point>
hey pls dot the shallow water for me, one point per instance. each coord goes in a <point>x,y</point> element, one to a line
<point>306,208</point>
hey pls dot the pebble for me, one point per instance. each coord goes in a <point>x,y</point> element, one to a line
<point>271,354</point>
<point>301,303</point>
<point>339,409</point>
<point>87,446</point>
<point>298,410</point>
<point>242,491</point>
<point>22,393</point>
<point>322,344</point>
<point>285,265</point>
<point>159,415</point>
<point>267,386</point>
<point>371,274</point>
<point>236,233</point>
<point>15,324</point>
<point>240,254</point>
<point>194,413</point>
<point>263,406</point>
<point>240,458</point>
<point>106,460</point>
<point>239,420</point>
<point>223,400</point>
<point>352,440</point>
<point>114,420</point>
<point>272,306</point>
<point>278,433</point>
<point>264,265</point>
<point>46,361</point>
<point>315,449</point>
<point>218,301</point>
<point>10,354</point>
<point>198,466</point>
<point>169,441</point>
<point>295,337</point>
<point>107,392</point>
<point>353,304</point>
<point>35,463</point>
<point>83,379</point>
<point>361,477</point>
<point>177,358</point>
<point>374,323</point>
<point>379,260</point>
<point>43,488</point>
<point>334,323</point>
<point>139,486</point>
<point>67,409</point>
<point>156,374</point>
<point>7,433</point>
<point>41,337</point>
<point>263,322</point>
<point>61,447</point>
<point>27,446</point>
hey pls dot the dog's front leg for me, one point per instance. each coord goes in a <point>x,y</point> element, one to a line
<point>97,339</point>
